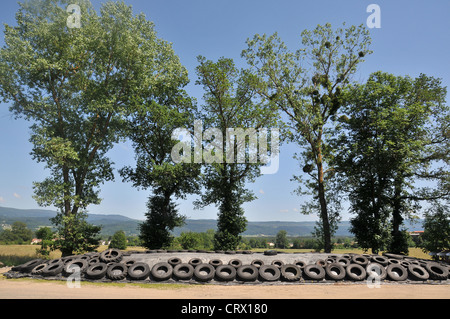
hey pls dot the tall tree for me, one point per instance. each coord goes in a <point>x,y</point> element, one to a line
<point>76,85</point>
<point>310,97</point>
<point>151,131</point>
<point>230,103</point>
<point>393,139</point>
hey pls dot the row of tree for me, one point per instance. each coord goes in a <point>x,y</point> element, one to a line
<point>86,89</point>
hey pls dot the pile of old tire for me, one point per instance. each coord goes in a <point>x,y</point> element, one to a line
<point>392,267</point>
<point>110,265</point>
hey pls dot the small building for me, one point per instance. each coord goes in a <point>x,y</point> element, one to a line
<point>35,241</point>
<point>416,233</point>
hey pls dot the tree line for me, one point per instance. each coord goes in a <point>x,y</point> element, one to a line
<point>382,144</point>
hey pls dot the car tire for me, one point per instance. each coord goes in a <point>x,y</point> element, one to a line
<point>117,271</point>
<point>314,272</point>
<point>397,272</point>
<point>418,272</point>
<point>225,273</point>
<point>290,272</point>
<point>183,271</point>
<point>204,272</point>
<point>96,271</point>
<point>436,271</point>
<point>139,271</point>
<point>247,273</point>
<point>269,273</point>
<point>162,271</point>
<point>111,255</point>
<point>356,272</point>
<point>335,271</point>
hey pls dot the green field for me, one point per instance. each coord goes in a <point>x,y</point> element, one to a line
<point>11,255</point>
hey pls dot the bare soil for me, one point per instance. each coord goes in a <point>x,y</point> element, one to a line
<point>32,289</point>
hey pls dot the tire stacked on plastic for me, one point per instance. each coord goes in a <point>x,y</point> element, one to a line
<point>111,266</point>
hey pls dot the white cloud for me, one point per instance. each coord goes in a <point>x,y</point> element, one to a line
<point>284,210</point>
<point>261,191</point>
<point>16,195</point>
<point>296,210</point>
<point>2,200</point>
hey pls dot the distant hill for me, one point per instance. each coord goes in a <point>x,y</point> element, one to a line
<point>269,228</point>
<point>35,218</point>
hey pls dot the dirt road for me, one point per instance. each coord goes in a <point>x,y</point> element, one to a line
<point>30,289</point>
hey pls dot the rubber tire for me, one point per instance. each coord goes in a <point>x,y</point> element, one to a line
<point>162,271</point>
<point>200,274</point>
<point>418,272</point>
<point>314,272</point>
<point>335,271</point>
<point>394,256</point>
<point>135,274</point>
<point>270,252</point>
<point>300,264</point>
<point>30,265</point>
<point>343,261</point>
<point>355,276</point>
<point>53,269</point>
<point>436,271</point>
<point>111,255</point>
<point>96,271</point>
<point>174,261</point>
<point>382,260</point>
<point>278,263</point>
<point>225,273</point>
<point>360,260</point>
<point>321,263</point>
<point>257,263</point>
<point>290,272</point>
<point>37,271</point>
<point>236,263</point>
<point>393,275</point>
<point>111,274</point>
<point>269,273</point>
<point>81,263</point>
<point>195,262</point>
<point>247,273</point>
<point>179,273</point>
<point>382,269</point>
<point>216,262</point>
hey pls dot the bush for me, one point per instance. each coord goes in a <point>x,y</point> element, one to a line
<point>118,240</point>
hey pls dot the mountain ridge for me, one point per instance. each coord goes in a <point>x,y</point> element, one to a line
<point>35,218</point>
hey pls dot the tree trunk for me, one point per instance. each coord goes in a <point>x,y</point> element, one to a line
<point>398,244</point>
<point>323,203</point>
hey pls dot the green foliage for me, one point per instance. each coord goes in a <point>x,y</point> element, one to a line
<point>393,136</point>
<point>44,233</point>
<point>230,102</point>
<point>281,240</point>
<point>77,86</point>
<point>18,234</point>
<point>74,235</point>
<point>436,237</point>
<point>194,240</point>
<point>310,98</point>
<point>161,217</point>
<point>118,240</point>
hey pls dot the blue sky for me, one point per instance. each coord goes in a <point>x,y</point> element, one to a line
<point>414,38</point>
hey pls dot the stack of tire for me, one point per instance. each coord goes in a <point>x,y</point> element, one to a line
<point>110,265</point>
<point>393,267</point>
